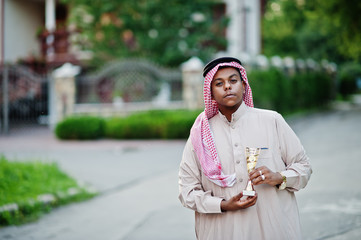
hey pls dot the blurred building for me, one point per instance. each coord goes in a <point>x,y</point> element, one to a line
<point>34,29</point>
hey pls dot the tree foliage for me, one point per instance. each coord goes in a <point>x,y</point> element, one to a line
<point>341,19</point>
<point>317,29</point>
<point>166,31</point>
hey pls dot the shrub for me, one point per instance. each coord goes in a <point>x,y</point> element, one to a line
<point>272,89</point>
<point>152,125</point>
<point>83,127</point>
<point>310,89</point>
<point>349,72</point>
<point>178,125</point>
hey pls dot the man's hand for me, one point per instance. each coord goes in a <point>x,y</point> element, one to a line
<point>269,177</point>
<point>236,203</point>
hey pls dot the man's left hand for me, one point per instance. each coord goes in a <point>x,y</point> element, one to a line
<point>264,175</point>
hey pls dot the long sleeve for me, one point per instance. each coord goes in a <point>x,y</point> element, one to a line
<point>191,193</point>
<point>275,215</point>
<point>298,169</point>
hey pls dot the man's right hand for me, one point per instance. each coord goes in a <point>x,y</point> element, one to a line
<point>236,203</point>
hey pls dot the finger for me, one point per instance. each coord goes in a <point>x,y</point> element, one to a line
<point>253,171</point>
<point>254,175</point>
<point>239,196</point>
<point>259,179</point>
<point>258,171</point>
<point>254,199</point>
<point>251,198</point>
<point>244,204</point>
<point>263,169</point>
<point>250,201</point>
<point>253,202</point>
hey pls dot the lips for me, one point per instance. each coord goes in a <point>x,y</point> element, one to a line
<point>229,95</point>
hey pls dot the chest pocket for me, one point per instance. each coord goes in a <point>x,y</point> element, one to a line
<point>265,159</point>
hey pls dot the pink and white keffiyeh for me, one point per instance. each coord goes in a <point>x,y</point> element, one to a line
<point>201,134</point>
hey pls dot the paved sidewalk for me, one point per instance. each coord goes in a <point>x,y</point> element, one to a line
<point>138,181</point>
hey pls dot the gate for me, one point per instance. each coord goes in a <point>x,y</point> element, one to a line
<point>23,97</point>
<point>128,83</point>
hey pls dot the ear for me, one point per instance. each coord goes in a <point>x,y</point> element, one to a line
<point>244,87</point>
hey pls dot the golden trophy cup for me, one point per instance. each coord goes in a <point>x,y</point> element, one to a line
<point>251,157</point>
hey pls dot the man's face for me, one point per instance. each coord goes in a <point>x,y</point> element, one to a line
<point>227,88</point>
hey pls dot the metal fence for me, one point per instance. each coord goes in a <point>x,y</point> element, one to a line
<point>126,84</point>
<point>23,97</point>
<point>130,80</point>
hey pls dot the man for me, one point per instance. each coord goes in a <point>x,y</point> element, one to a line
<point>213,172</point>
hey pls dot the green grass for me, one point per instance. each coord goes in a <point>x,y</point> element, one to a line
<point>22,183</point>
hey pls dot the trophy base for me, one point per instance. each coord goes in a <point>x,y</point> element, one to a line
<point>249,193</point>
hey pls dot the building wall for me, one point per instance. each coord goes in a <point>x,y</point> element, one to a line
<point>22,20</point>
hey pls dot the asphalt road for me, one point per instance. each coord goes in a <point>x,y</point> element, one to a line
<point>138,183</point>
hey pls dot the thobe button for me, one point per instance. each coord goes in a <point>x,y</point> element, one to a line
<point>238,161</point>
<point>236,144</point>
<point>240,180</point>
<point>233,127</point>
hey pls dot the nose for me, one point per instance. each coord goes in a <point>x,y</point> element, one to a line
<point>227,85</point>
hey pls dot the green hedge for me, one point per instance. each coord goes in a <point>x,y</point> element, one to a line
<point>82,128</point>
<point>272,89</point>
<point>155,124</point>
<point>152,125</point>
<point>349,72</point>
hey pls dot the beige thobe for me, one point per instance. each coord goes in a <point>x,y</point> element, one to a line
<point>275,214</point>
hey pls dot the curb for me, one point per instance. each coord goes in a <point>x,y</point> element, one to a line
<point>14,213</point>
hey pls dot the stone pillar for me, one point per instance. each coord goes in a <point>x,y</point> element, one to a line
<point>300,65</point>
<point>276,61</point>
<point>50,24</point>
<point>62,92</point>
<point>262,62</point>
<point>193,83</point>
<point>290,66</point>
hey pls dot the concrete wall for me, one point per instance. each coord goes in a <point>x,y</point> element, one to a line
<point>22,19</point>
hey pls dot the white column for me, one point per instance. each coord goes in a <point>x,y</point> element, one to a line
<point>193,83</point>
<point>2,19</point>
<point>244,29</point>
<point>62,93</point>
<point>50,25</point>
<point>50,15</point>
<point>253,27</point>
<point>235,29</point>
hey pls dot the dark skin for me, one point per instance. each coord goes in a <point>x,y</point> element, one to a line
<point>228,90</point>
